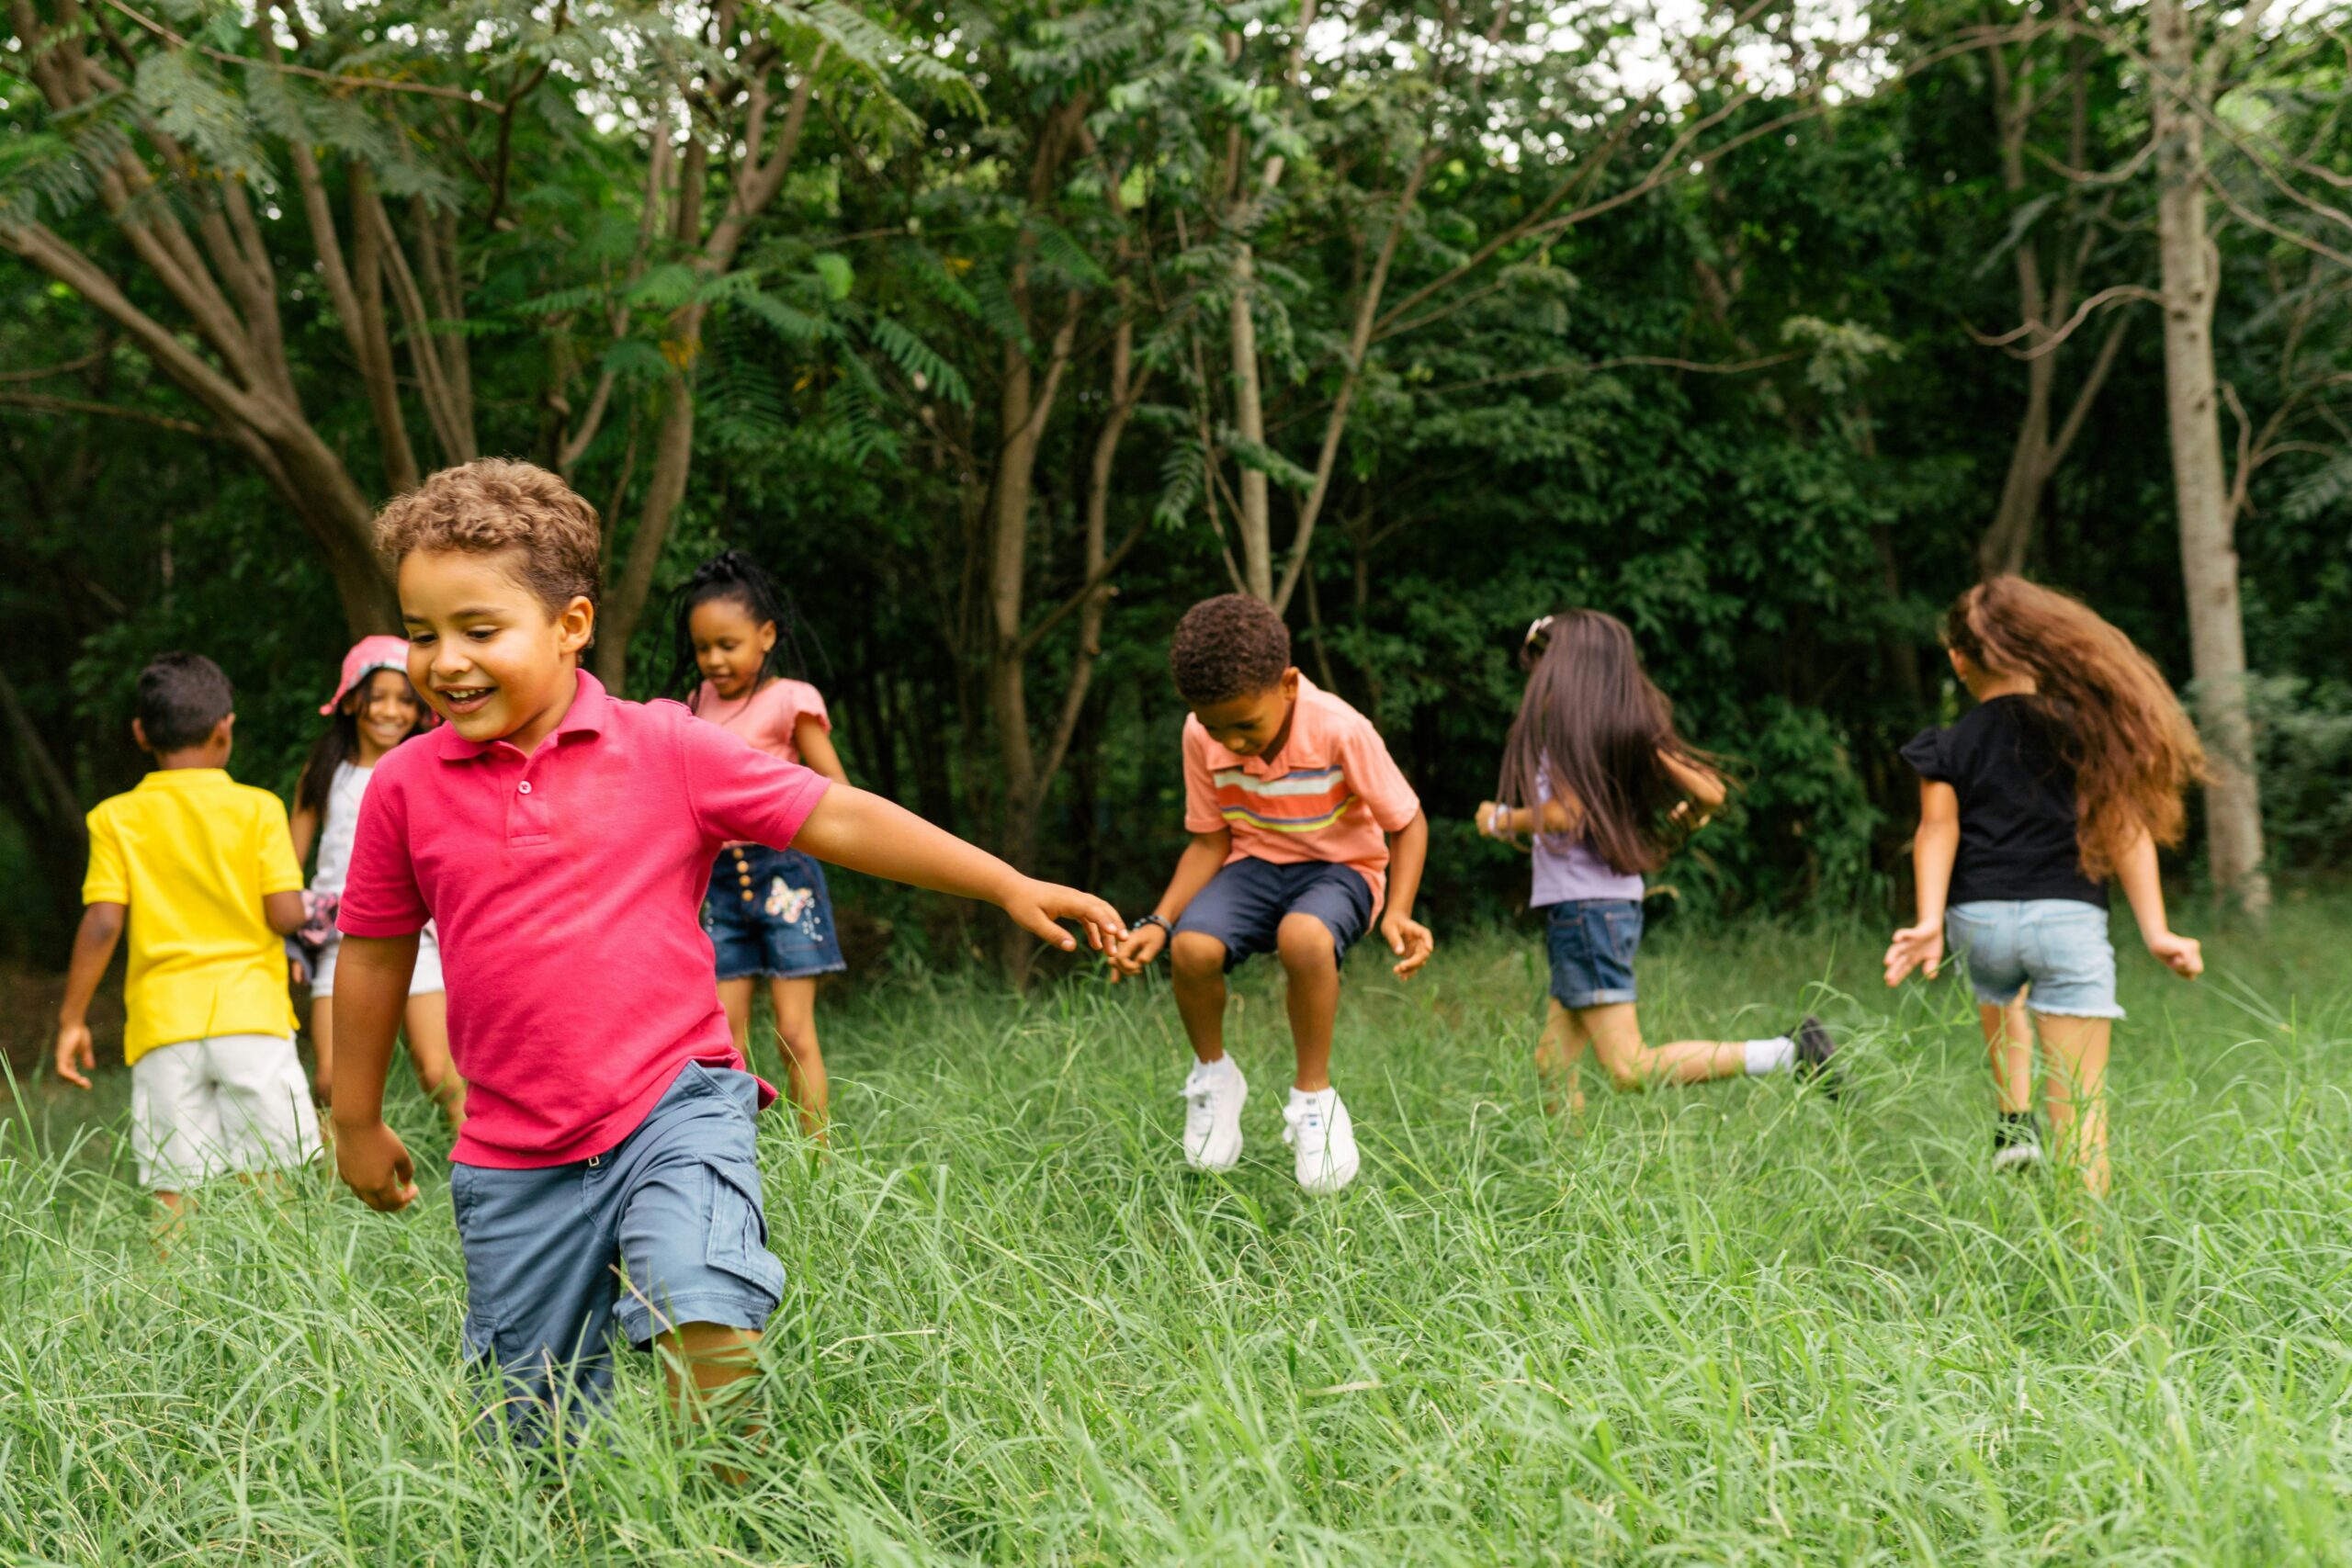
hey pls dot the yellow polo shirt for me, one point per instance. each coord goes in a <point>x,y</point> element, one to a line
<point>191,851</point>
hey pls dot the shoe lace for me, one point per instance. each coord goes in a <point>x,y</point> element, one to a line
<point>1303,1118</point>
<point>1199,1117</point>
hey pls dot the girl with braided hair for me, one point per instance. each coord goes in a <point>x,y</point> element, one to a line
<point>768,913</point>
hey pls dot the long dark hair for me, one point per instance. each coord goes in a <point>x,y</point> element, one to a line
<point>731,574</point>
<point>339,742</point>
<point>1593,728</point>
<point>2105,705</point>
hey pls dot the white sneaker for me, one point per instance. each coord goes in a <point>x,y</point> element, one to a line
<point>1212,1095</point>
<point>1318,1128</point>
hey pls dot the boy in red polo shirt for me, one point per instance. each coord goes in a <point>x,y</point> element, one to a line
<point>1288,792</point>
<point>561,840</point>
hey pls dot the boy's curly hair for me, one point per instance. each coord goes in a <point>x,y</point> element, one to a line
<point>494,504</point>
<point>1231,646</point>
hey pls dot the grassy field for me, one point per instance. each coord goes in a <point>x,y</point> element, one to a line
<point>1735,1323</point>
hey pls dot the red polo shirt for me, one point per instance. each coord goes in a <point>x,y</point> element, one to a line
<point>566,887</point>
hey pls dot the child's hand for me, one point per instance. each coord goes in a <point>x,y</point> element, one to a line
<point>1037,907</point>
<point>1409,940</point>
<point>1135,951</point>
<point>374,1163</point>
<point>1485,818</point>
<point>75,1055</point>
<point>2184,955</point>
<point>1915,947</point>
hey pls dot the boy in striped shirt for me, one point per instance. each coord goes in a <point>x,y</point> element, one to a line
<point>1289,795</point>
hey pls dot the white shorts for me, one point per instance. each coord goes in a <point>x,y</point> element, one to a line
<point>228,1104</point>
<point>426,977</point>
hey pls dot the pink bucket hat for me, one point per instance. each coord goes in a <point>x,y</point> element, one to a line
<point>369,655</point>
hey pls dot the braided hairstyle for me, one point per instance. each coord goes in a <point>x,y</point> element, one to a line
<point>733,575</point>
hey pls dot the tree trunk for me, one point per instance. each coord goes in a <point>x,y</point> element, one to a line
<point>1250,423</point>
<point>2208,552</point>
<point>626,596</point>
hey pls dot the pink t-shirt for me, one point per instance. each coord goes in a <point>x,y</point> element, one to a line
<point>1329,796</point>
<point>567,887</point>
<point>769,718</point>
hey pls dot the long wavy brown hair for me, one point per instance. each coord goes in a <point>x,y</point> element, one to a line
<point>2109,712</point>
<point>1592,728</point>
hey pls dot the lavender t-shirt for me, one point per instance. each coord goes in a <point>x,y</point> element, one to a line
<point>1567,871</point>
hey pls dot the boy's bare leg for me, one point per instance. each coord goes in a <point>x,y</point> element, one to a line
<point>1196,964</point>
<point>702,1362</point>
<point>2074,1091</point>
<point>425,1021</point>
<point>1616,1035</point>
<point>1559,1054</point>
<point>804,1060</point>
<point>2008,1046</point>
<point>1311,964</point>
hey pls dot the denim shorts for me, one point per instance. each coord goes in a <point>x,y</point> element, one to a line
<point>1244,904</point>
<point>768,912</point>
<point>1592,943</point>
<point>663,1228</point>
<point>2057,945</point>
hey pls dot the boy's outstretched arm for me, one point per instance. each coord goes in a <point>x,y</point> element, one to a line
<point>1920,945</point>
<point>2143,888</point>
<point>1195,868</point>
<point>370,990</point>
<point>1408,851</point>
<point>93,943</point>
<point>867,833</point>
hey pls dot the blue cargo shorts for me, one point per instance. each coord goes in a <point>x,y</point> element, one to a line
<point>662,1229</point>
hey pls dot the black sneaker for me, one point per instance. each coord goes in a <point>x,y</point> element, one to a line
<point>1816,1047</point>
<point>2017,1143</point>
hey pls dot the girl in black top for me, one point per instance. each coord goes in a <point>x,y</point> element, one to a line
<point>2068,774</point>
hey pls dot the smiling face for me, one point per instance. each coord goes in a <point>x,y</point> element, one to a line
<point>731,647</point>
<point>387,710</point>
<point>1254,723</point>
<point>484,650</point>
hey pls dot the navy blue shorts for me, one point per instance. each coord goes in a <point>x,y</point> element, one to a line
<point>768,912</point>
<point>1592,943</point>
<point>663,1228</point>
<point>1244,904</point>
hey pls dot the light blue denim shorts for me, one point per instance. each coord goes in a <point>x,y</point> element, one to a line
<point>2058,946</point>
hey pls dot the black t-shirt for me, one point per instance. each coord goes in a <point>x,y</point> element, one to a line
<point>2017,805</point>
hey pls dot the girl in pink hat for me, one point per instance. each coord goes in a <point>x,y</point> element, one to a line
<point>374,709</point>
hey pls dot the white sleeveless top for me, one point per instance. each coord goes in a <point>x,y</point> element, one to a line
<point>338,825</point>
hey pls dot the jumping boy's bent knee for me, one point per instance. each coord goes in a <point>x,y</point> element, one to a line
<point>1303,941</point>
<point>1196,955</point>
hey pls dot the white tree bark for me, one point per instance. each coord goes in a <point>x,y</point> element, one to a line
<point>2209,559</point>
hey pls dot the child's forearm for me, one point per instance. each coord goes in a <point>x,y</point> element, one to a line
<point>1933,850</point>
<point>1696,780</point>
<point>93,943</point>
<point>2143,888</point>
<point>1195,868</point>
<point>864,832</point>
<point>1409,852</point>
<point>371,977</point>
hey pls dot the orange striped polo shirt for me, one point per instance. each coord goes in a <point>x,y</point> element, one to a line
<point>1329,796</point>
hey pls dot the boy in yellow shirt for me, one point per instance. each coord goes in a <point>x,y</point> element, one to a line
<point>201,870</point>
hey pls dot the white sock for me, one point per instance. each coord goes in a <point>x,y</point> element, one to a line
<point>1778,1054</point>
<point>1216,1069</point>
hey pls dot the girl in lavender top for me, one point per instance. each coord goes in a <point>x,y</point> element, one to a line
<point>1596,775</point>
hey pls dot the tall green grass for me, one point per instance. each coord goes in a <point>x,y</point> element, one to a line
<point>1739,1323</point>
